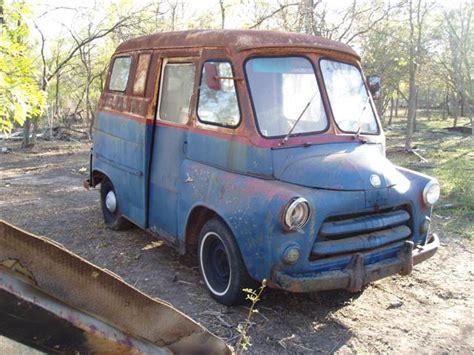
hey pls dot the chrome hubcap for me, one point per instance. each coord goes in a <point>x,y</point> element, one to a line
<point>111,201</point>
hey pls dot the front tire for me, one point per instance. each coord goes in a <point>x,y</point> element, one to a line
<point>113,217</point>
<point>221,264</point>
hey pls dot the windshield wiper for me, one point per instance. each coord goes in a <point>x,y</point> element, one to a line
<point>285,139</point>
<point>360,116</point>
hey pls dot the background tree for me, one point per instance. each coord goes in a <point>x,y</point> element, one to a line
<point>422,50</point>
<point>459,36</point>
<point>417,11</point>
<point>20,96</point>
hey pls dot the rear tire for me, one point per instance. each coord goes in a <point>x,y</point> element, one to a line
<point>113,217</point>
<point>221,264</point>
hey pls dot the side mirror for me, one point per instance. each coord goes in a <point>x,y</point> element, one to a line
<point>211,73</point>
<point>374,82</point>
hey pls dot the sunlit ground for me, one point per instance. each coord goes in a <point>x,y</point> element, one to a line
<point>450,158</point>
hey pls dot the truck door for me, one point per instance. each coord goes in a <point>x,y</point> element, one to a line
<point>172,117</point>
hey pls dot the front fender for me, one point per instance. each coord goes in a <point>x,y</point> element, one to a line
<point>250,206</point>
<point>413,191</point>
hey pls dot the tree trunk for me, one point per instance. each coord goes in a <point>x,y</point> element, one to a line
<point>91,125</point>
<point>379,107</point>
<point>416,111</point>
<point>56,95</point>
<point>26,133</point>
<point>308,16</point>
<point>411,107</point>
<point>411,83</point>
<point>415,44</point>
<point>392,103</point>
<point>446,105</point>
<point>455,110</point>
<point>221,4</point>
<point>35,131</point>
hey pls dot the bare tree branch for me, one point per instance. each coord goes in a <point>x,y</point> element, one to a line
<point>273,13</point>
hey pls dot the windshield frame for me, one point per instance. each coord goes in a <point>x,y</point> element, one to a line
<point>318,82</point>
<point>374,113</point>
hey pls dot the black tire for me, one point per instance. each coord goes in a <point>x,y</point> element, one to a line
<point>112,218</point>
<point>221,264</point>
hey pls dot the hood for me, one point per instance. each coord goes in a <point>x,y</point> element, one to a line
<point>337,166</point>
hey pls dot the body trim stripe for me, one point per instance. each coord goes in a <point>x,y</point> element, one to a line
<point>259,142</point>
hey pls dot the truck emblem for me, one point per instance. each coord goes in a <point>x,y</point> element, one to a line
<point>375,180</point>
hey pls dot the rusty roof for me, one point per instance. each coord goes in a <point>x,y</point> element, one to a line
<point>234,40</point>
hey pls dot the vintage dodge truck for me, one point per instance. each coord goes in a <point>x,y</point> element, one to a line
<point>263,153</point>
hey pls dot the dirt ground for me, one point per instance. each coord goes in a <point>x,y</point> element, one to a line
<point>430,311</point>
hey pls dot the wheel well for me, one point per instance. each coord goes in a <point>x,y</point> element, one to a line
<point>97,178</point>
<point>197,218</point>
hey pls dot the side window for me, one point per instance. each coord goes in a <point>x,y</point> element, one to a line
<point>217,97</point>
<point>177,85</point>
<point>120,72</point>
<point>141,74</point>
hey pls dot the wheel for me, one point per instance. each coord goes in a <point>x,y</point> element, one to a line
<point>221,264</point>
<point>110,208</point>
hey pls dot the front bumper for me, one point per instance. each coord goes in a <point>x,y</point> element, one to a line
<point>357,273</point>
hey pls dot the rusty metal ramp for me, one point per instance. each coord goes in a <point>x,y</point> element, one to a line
<point>57,302</point>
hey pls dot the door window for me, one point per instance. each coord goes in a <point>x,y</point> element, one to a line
<point>176,89</point>
<point>217,97</point>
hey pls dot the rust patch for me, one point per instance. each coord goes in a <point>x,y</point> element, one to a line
<point>141,73</point>
<point>234,40</point>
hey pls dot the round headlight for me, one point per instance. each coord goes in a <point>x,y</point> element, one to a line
<point>431,192</point>
<point>296,214</point>
<point>291,255</point>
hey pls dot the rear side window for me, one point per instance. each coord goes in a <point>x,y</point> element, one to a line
<point>217,97</point>
<point>176,89</point>
<point>120,73</point>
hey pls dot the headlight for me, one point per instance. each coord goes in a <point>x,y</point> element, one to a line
<point>431,192</point>
<point>296,214</point>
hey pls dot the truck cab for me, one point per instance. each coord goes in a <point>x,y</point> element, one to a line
<point>261,152</point>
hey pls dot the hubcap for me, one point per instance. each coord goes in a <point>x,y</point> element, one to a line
<point>215,264</point>
<point>111,201</point>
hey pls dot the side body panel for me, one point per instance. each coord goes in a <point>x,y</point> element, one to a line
<point>119,153</point>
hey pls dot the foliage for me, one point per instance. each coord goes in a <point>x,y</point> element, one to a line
<point>20,94</point>
<point>253,296</point>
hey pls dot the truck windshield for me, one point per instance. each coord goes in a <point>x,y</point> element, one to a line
<point>281,88</point>
<point>348,97</point>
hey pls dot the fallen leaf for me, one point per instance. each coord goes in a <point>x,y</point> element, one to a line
<point>154,244</point>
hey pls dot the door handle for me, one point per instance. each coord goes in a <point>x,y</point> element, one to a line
<point>185,146</point>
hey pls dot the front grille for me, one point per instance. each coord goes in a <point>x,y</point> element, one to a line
<point>348,234</point>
